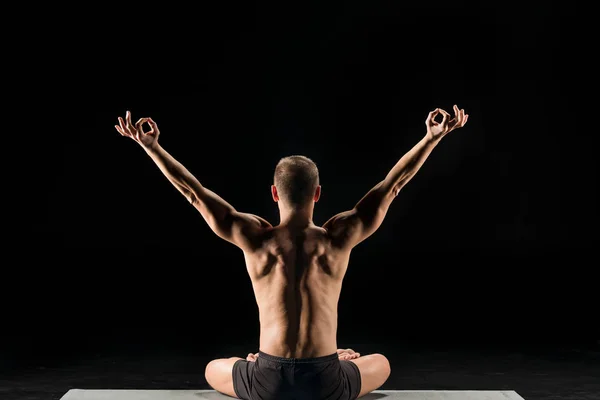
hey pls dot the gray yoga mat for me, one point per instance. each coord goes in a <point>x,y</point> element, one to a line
<point>129,394</point>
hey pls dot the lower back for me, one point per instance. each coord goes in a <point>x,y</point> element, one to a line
<point>308,340</point>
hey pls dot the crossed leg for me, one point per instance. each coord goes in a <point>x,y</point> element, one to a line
<point>374,371</point>
<point>219,375</point>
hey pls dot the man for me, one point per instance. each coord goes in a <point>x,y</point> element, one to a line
<point>296,269</point>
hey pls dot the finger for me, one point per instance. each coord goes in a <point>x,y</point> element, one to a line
<point>124,126</point>
<point>128,119</point>
<point>457,116</point>
<point>153,125</point>
<point>445,116</point>
<point>136,134</point>
<point>465,120</point>
<point>458,120</point>
<point>118,128</point>
<point>432,116</point>
<point>153,128</point>
<point>139,125</point>
<point>444,113</point>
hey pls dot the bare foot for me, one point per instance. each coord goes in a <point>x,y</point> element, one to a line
<point>252,357</point>
<point>347,354</point>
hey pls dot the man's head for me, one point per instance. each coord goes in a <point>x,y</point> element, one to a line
<point>296,181</point>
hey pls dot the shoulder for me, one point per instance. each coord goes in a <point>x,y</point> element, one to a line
<point>251,221</point>
<point>340,222</point>
<point>263,223</point>
<point>341,228</point>
<point>248,230</point>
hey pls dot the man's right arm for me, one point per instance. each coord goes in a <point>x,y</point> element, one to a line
<point>351,227</point>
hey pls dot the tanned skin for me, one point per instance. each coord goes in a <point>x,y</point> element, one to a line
<point>296,267</point>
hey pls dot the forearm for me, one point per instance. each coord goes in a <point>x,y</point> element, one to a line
<point>353,226</point>
<point>213,208</point>
<point>408,165</point>
<point>173,170</point>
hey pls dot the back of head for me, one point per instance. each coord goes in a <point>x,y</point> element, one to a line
<point>296,179</point>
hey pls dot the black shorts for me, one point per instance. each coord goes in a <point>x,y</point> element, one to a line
<point>274,378</point>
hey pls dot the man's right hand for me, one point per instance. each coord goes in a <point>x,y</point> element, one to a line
<point>437,130</point>
<point>347,354</point>
<point>136,132</point>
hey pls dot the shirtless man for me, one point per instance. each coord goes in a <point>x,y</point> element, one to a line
<point>296,269</point>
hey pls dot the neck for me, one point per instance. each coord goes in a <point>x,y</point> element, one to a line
<point>297,216</point>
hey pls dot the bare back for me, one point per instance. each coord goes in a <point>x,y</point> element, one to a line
<point>297,278</point>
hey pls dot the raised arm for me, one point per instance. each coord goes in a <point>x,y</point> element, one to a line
<point>349,228</point>
<point>238,228</point>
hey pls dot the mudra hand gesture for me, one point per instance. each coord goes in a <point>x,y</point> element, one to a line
<point>136,132</point>
<point>437,130</point>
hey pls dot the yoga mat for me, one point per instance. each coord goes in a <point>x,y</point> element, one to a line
<point>129,394</point>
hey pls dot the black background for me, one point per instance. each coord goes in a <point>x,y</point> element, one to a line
<point>492,244</point>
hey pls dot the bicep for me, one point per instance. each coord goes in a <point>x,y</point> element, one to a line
<point>351,227</point>
<point>243,230</point>
<point>344,229</point>
<point>225,221</point>
<point>247,230</point>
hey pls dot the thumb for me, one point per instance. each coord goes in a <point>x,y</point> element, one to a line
<point>153,125</point>
<point>431,116</point>
<point>140,123</point>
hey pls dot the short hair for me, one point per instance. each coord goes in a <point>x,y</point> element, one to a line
<point>296,179</point>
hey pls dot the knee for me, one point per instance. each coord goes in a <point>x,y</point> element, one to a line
<point>208,371</point>
<point>214,367</point>
<point>384,364</point>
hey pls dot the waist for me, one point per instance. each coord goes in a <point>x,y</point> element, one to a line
<point>279,340</point>
<point>284,360</point>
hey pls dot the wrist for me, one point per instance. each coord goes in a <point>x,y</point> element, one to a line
<point>151,148</point>
<point>431,141</point>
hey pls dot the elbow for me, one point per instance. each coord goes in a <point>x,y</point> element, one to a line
<point>189,195</point>
<point>395,190</point>
<point>193,200</point>
<point>389,189</point>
